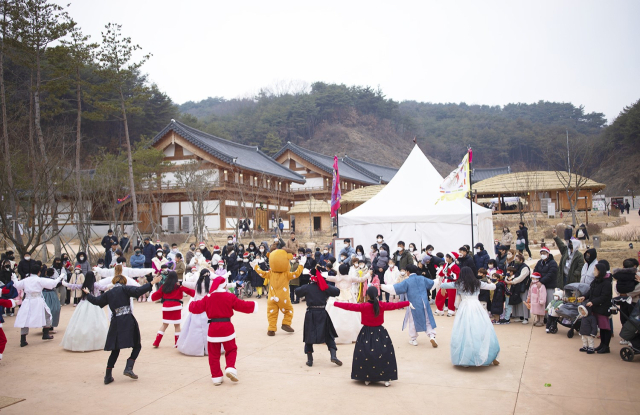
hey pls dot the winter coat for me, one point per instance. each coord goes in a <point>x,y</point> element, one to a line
<point>293,245</point>
<point>625,280</point>
<point>600,294</point>
<point>348,252</point>
<point>568,233</point>
<point>525,234</point>
<point>108,241</point>
<point>180,268</point>
<point>137,261</point>
<point>381,261</point>
<point>585,234</point>
<point>538,299</point>
<point>468,261</point>
<point>575,269</point>
<point>79,280</point>
<point>507,239</point>
<point>109,258</point>
<point>149,252</point>
<point>405,259</point>
<point>549,271</point>
<point>502,262</point>
<point>497,304</point>
<point>587,275</point>
<point>84,264</point>
<point>125,244</point>
<point>326,257</point>
<point>24,267</point>
<point>481,259</point>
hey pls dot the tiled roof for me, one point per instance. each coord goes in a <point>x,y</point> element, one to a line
<point>246,157</point>
<point>325,163</point>
<point>482,174</point>
<point>386,173</point>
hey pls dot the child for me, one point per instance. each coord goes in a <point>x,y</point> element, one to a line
<point>241,279</point>
<point>626,277</point>
<point>375,281</point>
<point>374,358</point>
<point>77,279</point>
<point>588,329</point>
<point>537,299</point>
<point>485,295</point>
<point>508,308</point>
<point>497,303</point>
<point>170,293</point>
<point>403,276</point>
<point>391,276</point>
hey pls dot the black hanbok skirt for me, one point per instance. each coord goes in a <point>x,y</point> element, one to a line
<point>318,326</point>
<point>374,358</point>
<point>123,333</point>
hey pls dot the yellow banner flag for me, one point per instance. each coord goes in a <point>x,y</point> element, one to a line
<point>456,184</point>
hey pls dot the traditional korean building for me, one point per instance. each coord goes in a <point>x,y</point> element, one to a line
<point>317,169</point>
<point>223,180</point>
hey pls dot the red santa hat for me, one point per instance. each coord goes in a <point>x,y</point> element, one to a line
<point>78,266</point>
<point>216,248</point>
<point>319,279</point>
<point>221,262</point>
<point>217,283</point>
<point>194,268</point>
<point>545,249</point>
<point>246,255</point>
<point>158,241</point>
<point>202,244</point>
<point>536,275</point>
<point>159,250</point>
<point>498,271</point>
<point>453,255</point>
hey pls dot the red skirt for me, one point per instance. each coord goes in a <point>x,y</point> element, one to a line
<point>171,312</point>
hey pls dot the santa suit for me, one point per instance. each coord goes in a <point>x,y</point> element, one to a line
<point>219,306</point>
<point>171,307</point>
<point>449,273</point>
<point>3,339</point>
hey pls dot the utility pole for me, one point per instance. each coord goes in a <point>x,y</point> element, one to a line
<point>568,160</point>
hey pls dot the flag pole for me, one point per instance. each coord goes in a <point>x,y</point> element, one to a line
<point>471,200</point>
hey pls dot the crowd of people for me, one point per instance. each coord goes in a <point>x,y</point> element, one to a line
<point>468,284</point>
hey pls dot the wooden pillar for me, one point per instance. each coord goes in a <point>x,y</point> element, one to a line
<point>223,215</point>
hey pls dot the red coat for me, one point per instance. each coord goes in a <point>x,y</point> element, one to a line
<point>172,303</point>
<point>451,272</point>
<point>221,304</point>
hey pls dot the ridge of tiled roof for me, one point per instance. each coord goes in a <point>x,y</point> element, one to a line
<point>230,152</point>
<point>384,173</point>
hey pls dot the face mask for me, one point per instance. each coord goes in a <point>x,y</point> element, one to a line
<point>478,250</point>
<point>261,249</point>
<point>402,273</point>
<point>518,262</point>
<point>490,266</point>
<point>137,252</point>
<point>27,258</point>
<point>342,258</point>
<point>159,254</point>
<point>325,251</point>
<point>245,260</point>
<point>229,242</point>
<point>165,272</point>
<point>81,258</point>
<point>202,247</point>
<point>78,271</point>
<point>380,240</point>
<point>391,266</point>
<point>193,248</point>
<point>429,252</point>
<point>293,239</point>
<point>543,257</point>
<point>198,253</point>
<point>400,249</point>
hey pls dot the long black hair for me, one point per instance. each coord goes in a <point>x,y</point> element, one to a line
<point>5,274</point>
<point>89,281</point>
<point>170,282</point>
<point>204,276</point>
<point>372,293</point>
<point>467,282</point>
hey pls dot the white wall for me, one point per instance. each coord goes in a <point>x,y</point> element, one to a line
<point>312,182</point>
<point>170,151</point>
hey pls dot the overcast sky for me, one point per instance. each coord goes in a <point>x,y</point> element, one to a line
<point>478,52</point>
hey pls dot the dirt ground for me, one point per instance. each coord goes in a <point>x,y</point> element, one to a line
<point>274,377</point>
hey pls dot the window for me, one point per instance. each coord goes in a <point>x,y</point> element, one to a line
<point>317,223</point>
<point>236,177</point>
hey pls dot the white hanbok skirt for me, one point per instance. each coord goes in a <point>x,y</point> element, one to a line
<point>193,335</point>
<point>347,323</point>
<point>473,338</point>
<point>87,329</point>
<point>33,313</point>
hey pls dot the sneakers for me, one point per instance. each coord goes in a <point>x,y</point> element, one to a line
<point>232,374</point>
<point>439,313</point>
<point>413,342</point>
<point>503,321</point>
<point>433,341</point>
<point>590,350</point>
<point>451,313</point>
<point>584,349</point>
<point>525,321</point>
<point>217,381</point>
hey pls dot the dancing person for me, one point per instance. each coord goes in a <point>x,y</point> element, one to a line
<point>346,324</point>
<point>170,294</point>
<point>318,327</point>
<point>51,299</point>
<point>193,337</point>
<point>34,311</point>
<point>219,306</point>
<point>449,273</point>
<point>374,358</point>
<point>4,303</point>
<point>88,327</point>
<point>419,317</point>
<point>124,332</point>
<point>473,339</point>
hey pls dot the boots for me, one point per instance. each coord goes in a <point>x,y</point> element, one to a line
<point>23,340</point>
<point>107,376</point>
<point>158,339</point>
<point>46,335</point>
<point>309,359</point>
<point>128,371</point>
<point>334,358</point>
<point>287,328</point>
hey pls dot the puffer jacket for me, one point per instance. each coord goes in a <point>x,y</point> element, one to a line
<point>600,295</point>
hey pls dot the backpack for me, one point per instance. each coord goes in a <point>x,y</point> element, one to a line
<point>580,233</point>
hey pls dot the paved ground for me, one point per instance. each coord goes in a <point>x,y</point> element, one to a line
<point>274,378</point>
<point>633,223</point>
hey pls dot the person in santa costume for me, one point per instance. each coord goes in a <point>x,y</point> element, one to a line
<point>170,294</point>
<point>3,339</point>
<point>318,328</point>
<point>448,273</point>
<point>219,306</point>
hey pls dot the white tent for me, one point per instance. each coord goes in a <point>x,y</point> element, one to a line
<point>406,210</point>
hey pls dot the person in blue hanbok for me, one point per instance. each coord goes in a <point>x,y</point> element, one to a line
<point>419,318</point>
<point>473,339</point>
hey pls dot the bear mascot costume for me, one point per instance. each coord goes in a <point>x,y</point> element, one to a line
<point>278,296</point>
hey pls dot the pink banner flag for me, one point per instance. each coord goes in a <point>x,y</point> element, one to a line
<point>336,194</point>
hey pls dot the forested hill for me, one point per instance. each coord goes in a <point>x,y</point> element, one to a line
<point>363,123</point>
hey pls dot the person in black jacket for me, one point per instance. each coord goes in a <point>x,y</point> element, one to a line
<point>149,252</point>
<point>227,249</point>
<point>109,240</point>
<point>599,299</point>
<point>466,260</point>
<point>548,269</point>
<point>318,327</point>
<point>123,330</point>
<point>525,235</point>
<point>25,265</point>
<point>568,234</point>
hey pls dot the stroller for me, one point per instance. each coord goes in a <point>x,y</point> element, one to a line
<point>630,331</point>
<point>565,312</point>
